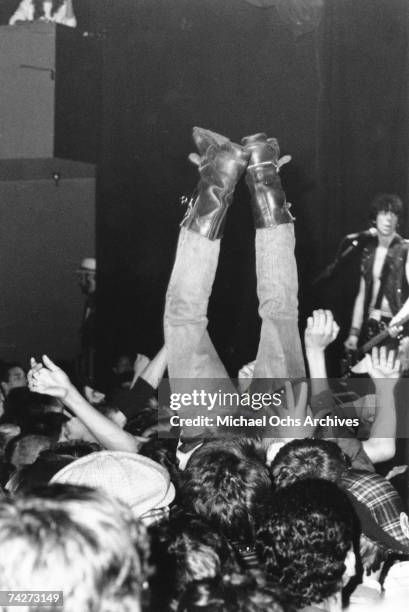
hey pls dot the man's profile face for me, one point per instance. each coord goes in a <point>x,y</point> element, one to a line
<point>386,222</point>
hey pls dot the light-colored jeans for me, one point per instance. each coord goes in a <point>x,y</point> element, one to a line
<point>191,354</point>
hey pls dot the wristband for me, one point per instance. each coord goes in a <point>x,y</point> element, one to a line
<point>354,331</point>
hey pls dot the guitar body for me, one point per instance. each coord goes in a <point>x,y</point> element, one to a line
<point>376,333</point>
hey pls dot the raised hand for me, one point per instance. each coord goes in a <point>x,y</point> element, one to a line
<point>48,378</point>
<point>296,409</point>
<point>321,330</point>
<point>382,364</point>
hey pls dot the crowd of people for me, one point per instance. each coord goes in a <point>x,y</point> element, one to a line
<point>107,505</point>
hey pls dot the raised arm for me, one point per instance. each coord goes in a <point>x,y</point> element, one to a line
<point>384,370</point>
<point>153,372</point>
<point>321,330</point>
<point>49,379</point>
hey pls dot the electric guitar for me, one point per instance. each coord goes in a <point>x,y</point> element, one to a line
<point>379,332</point>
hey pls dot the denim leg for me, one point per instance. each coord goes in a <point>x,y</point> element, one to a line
<point>279,352</point>
<point>191,353</point>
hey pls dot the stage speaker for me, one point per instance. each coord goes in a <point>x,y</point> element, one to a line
<point>50,92</point>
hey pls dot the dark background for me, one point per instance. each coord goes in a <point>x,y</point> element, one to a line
<point>336,97</point>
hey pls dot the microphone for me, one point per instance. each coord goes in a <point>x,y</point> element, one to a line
<point>369,233</point>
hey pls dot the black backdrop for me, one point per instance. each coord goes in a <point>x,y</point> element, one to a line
<point>336,98</point>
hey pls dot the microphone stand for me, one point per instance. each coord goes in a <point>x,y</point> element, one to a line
<point>331,268</point>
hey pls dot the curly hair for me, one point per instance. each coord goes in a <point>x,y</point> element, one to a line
<point>385,202</point>
<point>300,459</point>
<point>198,551</point>
<point>228,485</point>
<point>306,540</point>
<point>184,551</point>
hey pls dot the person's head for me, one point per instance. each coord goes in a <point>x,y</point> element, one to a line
<point>24,449</point>
<point>12,376</point>
<point>73,540</point>
<point>48,463</point>
<point>87,275</point>
<point>300,459</point>
<point>386,210</point>
<point>138,482</point>
<point>185,550</point>
<point>123,364</point>
<point>31,411</point>
<point>197,551</point>
<point>306,544</point>
<point>163,451</point>
<point>229,485</point>
<point>74,428</point>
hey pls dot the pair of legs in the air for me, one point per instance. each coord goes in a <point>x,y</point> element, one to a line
<point>191,354</point>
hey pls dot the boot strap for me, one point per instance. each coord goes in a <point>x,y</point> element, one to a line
<point>266,163</point>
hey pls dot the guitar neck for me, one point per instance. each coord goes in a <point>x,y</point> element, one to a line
<point>368,346</point>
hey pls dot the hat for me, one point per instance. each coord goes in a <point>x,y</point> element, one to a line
<point>379,508</point>
<point>88,264</point>
<point>139,482</point>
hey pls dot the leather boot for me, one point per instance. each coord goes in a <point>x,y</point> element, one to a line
<point>221,164</point>
<point>267,195</point>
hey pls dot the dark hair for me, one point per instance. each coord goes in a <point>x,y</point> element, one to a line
<point>73,448</point>
<point>198,551</point>
<point>145,418</point>
<point>385,202</point>
<point>236,593</point>
<point>163,451</point>
<point>29,411</point>
<point>226,483</point>
<point>184,550</point>
<point>5,368</point>
<point>306,540</point>
<point>48,463</point>
<point>307,458</point>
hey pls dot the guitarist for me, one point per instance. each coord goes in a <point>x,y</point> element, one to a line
<point>382,299</point>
